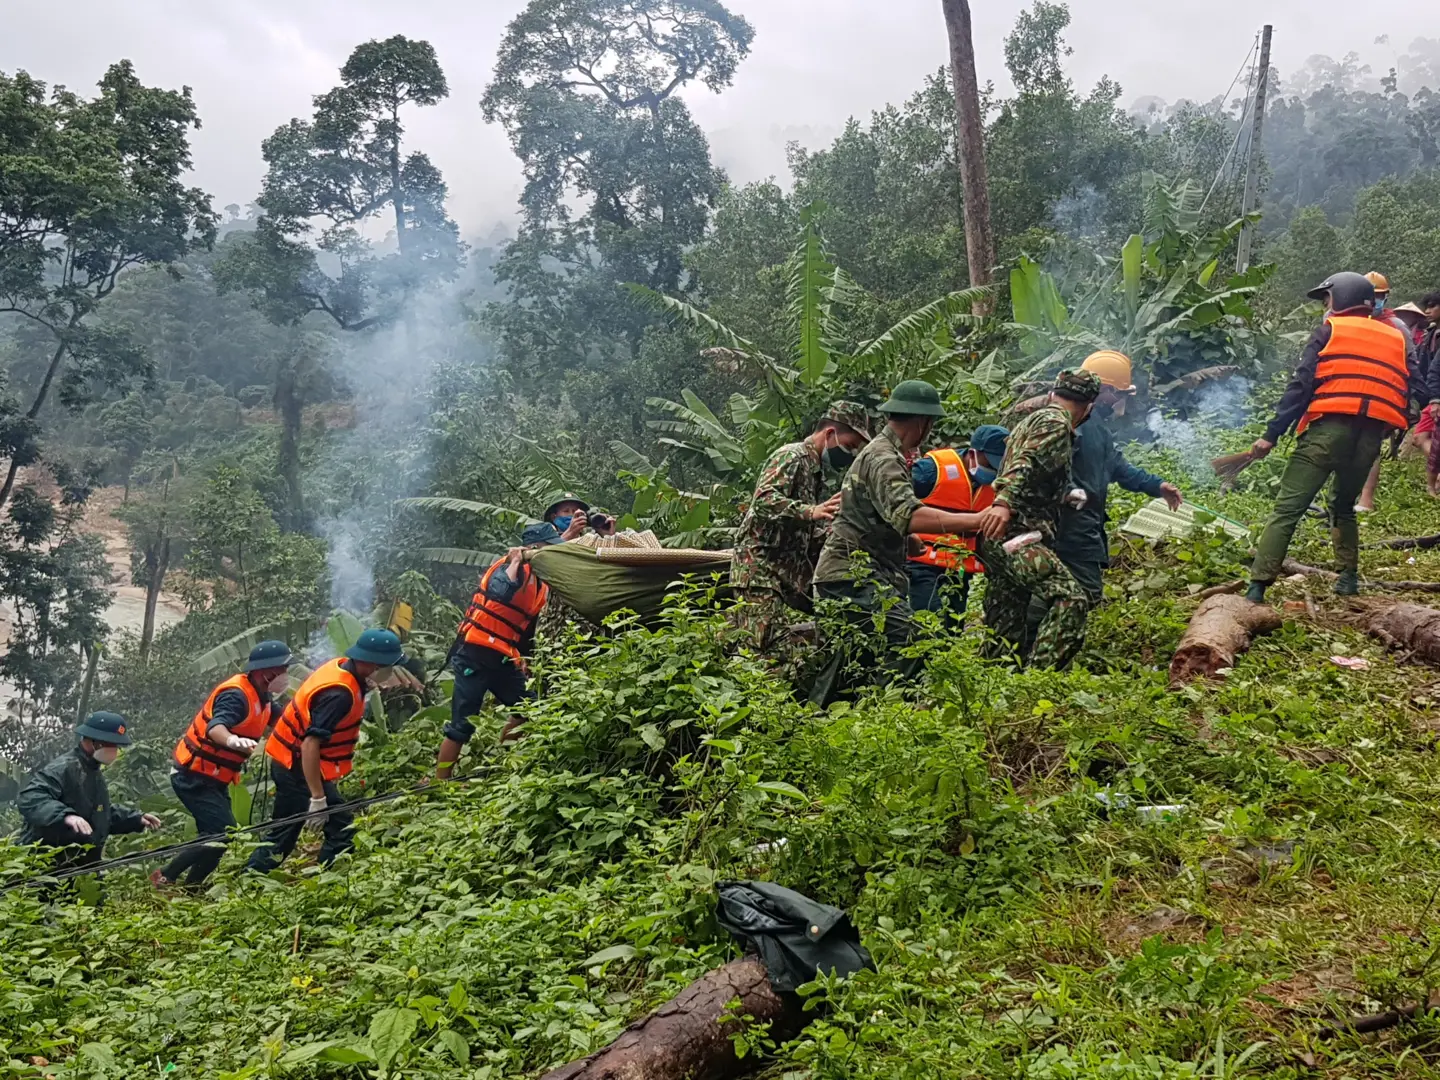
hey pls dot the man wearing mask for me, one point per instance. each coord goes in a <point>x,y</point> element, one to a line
<point>1383,312</point>
<point>67,802</point>
<point>1353,386</point>
<point>1019,530</point>
<point>878,512</point>
<point>1096,463</point>
<point>941,568</point>
<point>572,516</point>
<point>494,639</point>
<point>313,746</point>
<point>780,537</point>
<point>211,756</point>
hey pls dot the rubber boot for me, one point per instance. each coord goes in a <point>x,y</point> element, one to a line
<point>1256,593</point>
<point>1348,583</point>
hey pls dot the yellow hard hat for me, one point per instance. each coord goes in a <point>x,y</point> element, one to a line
<point>1379,280</point>
<point>1112,367</point>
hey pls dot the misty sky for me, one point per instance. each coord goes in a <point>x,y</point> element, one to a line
<point>254,64</point>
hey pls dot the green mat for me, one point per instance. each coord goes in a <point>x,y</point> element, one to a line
<point>597,589</point>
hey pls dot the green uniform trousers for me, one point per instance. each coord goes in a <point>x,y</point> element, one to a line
<point>863,603</point>
<point>1339,447</point>
<point>1011,583</point>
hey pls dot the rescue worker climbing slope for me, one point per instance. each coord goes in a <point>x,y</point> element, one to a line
<point>492,643</point>
<point>780,538</point>
<point>1028,496</point>
<point>1355,383</point>
<point>67,802</point>
<point>941,569</point>
<point>313,747</point>
<point>210,757</point>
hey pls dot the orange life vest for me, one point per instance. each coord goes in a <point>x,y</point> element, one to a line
<point>337,753</point>
<point>197,752</point>
<point>953,492</point>
<point>1362,372</point>
<point>503,625</point>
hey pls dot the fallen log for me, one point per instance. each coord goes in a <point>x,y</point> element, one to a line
<point>1408,626</point>
<point>1291,567</point>
<point>685,1039</point>
<point>1368,1025</point>
<point>1409,543</point>
<point>1222,628</point>
<point>1238,585</point>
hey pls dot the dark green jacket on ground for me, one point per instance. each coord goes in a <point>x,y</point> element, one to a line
<point>72,784</point>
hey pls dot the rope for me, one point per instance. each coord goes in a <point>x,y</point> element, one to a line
<point>204,841</point>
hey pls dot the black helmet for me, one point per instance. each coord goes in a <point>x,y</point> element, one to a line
<point>1346,290</point>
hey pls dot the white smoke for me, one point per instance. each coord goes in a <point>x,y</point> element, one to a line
<point>1216,406</point>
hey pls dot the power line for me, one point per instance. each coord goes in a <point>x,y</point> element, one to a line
<point>1240,126</point>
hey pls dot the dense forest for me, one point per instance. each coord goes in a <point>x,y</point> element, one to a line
<point>285,418</point>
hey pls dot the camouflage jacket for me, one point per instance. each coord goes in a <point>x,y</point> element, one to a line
<point>1036,473</point>
<point>877,503</point>
<point>776,547</point>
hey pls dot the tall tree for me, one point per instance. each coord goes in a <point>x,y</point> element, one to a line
<point>329,177</point>
<point>588,91</point>
<point>979,243</point>
<point>91,188</point>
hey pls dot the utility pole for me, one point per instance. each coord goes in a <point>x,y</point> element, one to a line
<point>970,135</point>
<point>1252,163</point>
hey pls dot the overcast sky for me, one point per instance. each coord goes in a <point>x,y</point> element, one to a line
<point>254,64</point>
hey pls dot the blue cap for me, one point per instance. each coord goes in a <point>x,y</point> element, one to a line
<point>544,533</point>
<point>924,475</point>
<point>990,440</point>
<point>106,727</point>
<point>376,647</point>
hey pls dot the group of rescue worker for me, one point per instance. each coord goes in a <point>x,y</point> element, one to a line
<point>906,532</point>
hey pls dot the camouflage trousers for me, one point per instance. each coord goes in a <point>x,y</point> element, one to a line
<point>769,620</point>
<point>1011,582</point>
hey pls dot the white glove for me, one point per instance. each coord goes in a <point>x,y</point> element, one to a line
<point>77,824</point>
<point>1077,498</point>
<point>316,806</point>
<point>241,745</point>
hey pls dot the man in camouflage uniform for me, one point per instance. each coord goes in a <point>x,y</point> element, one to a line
<point>1029,492</point>
<point>780,538</point>
<point>878,512</point>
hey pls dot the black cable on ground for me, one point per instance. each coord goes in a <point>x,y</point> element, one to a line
<point>203,841</point>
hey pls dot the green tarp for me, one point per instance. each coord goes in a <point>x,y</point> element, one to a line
<point>597,589</point>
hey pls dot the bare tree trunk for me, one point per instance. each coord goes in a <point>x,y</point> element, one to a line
<point>970,131</point>
<point>290,404</point>
<point>686,1038</point>
<point>157,564</point>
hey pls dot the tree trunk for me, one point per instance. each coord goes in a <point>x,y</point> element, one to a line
<point>290,404</point>
<point>685,1040</point>
<point>157,564</point>
<point>1221,629</point>
<point>1409,626</point>
<point>970,131</point>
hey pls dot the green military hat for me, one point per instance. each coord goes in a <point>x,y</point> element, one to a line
<point>105,727</point>
<point>914,397</point>
<point>853,416</point>
<point>269,655</point>
<point>1077,384</point>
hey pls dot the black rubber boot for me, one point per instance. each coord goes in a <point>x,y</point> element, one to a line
<point>1256,593</point>
<point>1348,583</point>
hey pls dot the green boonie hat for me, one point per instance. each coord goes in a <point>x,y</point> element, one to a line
<point>568,496</point>
<point>914,397</point>
<point>105,727</point>
<point>1077,384</point>
<point>853,416</point>
<point>268,655</point>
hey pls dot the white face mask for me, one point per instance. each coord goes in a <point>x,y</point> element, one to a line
<point>381,675</point>
<point>279,684</point>
<point>106,755</point>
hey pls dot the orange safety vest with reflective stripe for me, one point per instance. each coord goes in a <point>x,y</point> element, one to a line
<point>337,752</point>
<point>1361,372</point>
<point>503,625</point>
<point>197,752</point>
<point>953,492</point>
